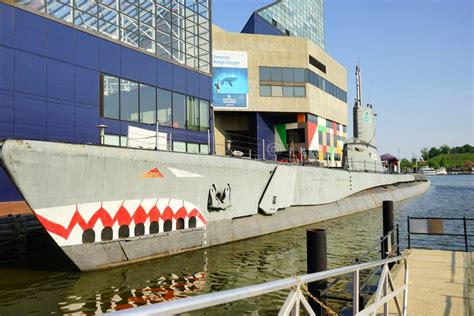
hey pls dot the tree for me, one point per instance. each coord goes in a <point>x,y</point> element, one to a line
<point>433,164</point>
<point>433,152</point>
<point>406,165</point>
<point>442,162</point>
<point>466,149</point>
<point>425,153</point>
<point>445,149</point>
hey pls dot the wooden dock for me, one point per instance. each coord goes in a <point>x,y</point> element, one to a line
<point>440,283</point>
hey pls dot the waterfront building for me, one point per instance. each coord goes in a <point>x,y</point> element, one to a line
<point>67,67</point>
<point>295,100</point>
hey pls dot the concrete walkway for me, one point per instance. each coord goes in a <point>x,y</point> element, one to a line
<point>440,283</point>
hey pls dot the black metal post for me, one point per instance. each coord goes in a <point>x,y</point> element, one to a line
<point>388,227</point>
<point>408,232</point>
<point>398,241</point>
<point>465,234</point>
<point>317,261</point>
<point>383,252</point>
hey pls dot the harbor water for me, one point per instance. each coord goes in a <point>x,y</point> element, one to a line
<point>46,285</point>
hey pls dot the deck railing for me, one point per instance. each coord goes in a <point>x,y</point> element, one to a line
<point>296,299</point>
<point>435,226</point>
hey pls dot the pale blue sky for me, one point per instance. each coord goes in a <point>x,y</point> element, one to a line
<point>416,58</point>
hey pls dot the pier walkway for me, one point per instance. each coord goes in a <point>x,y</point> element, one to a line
<point>440,283</point>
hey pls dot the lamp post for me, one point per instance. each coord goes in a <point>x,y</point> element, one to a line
<point>102,128</point>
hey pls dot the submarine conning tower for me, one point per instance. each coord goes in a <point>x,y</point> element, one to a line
<point>364,116</point>
<point>360,153</point>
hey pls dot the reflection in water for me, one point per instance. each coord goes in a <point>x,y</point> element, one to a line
<point>39,292</point>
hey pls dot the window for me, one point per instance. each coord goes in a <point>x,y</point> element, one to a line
<point>203,115</point>
<point>147,104</point>
<point>300,92</point>
<point>179,147</point>
<point>312,118</point>
<point>192,222</point>
<point>167,226</point>
<point>179,111</point>
<point>277,91</point>
<point>110,97</point>
<point>107,234</point>
<point>164,107</point>
<point>192,117</point>
<point>154,228</point>
<point>328,139</point>
<point>328,124</point>
<point>88,236</point>
<point>139,230</point>
<point>276,74</point>
<point>320,134</point>
<point>183,23</point>
<point>316,63</point>
<point>193,148</point>
<point>204,149</point>
<point>128,100</point>
<point>288,75</point>
<point>297,75</point>
<point>300,75</point>
<point>112,140</point>
<point>265,91</point>
<point>124,231</point>
<point>265,74</point>
<point>134,102</point>
<point>288,92</point>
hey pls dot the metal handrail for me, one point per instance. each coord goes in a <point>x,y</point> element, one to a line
<point>228,296</point>
<point>465,233</point>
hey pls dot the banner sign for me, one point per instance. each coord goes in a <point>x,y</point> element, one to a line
<point>230,86</point>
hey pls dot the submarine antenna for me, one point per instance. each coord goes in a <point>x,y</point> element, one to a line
<point>359,87</point>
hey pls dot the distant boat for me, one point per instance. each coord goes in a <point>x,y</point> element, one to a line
<point>427,171</point>
<point>441,172</point>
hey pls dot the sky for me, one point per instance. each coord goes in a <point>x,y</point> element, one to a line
<point>417,64</point>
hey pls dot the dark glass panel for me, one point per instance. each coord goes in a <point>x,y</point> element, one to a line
<point>288,75</point>
<point>110,97</point>
<point>265,73</point>
<point>179,110</point>
<point>204,115</point>
<point>164,107</point>
<point>192,117</point>
<point>128,100</point>
<point>276,74</point>
<point>147,104</point>
<point>265,91</point>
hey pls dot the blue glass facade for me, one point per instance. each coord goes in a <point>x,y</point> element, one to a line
<point>50,86</point>
<point>301,18</point>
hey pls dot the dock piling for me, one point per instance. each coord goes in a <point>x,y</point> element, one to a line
<point>316,252</point>
<point>388,228</point>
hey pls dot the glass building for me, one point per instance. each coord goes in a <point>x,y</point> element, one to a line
<point>302,18</point>
<point>69,66</point>
<point>177,30</point>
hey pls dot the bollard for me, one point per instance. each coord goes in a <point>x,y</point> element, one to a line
<point>317,261</point>
<point>387,228</point>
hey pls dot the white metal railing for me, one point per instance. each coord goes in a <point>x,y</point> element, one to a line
<point>295,301</point>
